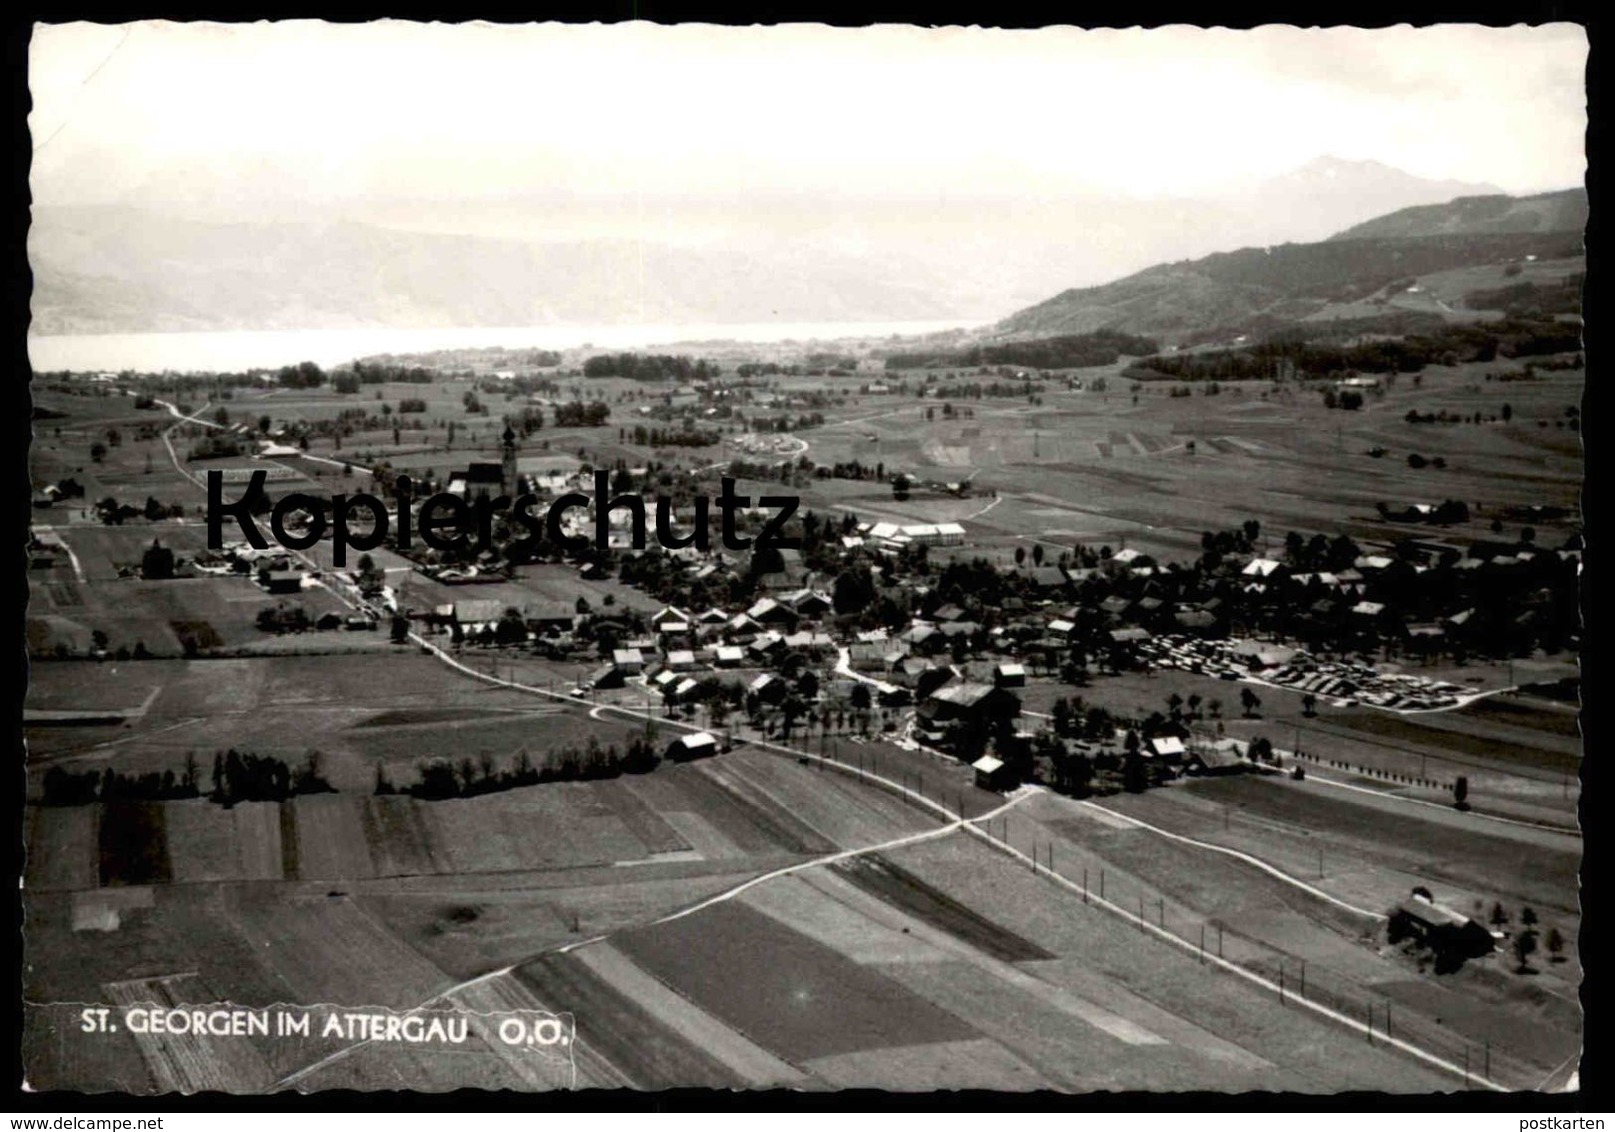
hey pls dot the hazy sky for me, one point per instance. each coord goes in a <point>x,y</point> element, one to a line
<point>304,112</point>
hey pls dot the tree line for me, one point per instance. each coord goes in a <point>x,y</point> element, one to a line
<point>650,367</point>
<point>1287,353</point>
<point>439,779</point>
<point>1067,351</point>
<point>237,777</point>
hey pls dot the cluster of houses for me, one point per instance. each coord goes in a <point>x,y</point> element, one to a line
<point>1124,611</point>
<point>274,570</point>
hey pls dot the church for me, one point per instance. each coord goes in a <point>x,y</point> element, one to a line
<point>487,479</point>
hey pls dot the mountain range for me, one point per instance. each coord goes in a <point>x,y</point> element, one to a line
<point>1262,288</point>
<point>123,269</point>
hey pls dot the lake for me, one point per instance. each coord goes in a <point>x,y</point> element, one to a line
<point>250,349</point>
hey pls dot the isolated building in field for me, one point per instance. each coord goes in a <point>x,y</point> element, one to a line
<point>696,746</point>
<point>1445,930</point>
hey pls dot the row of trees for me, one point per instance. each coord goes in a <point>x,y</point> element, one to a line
<point>1066,351</point>
<point>684,436</point>
<point>579,414</point>
<point>237,777</point>
<point>650,367</point>
<point>439,779</point>
<point>1286,353</point>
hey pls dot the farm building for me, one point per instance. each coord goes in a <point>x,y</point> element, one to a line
<point>1048,578</point>
<point>992,773</point>
<point>629,661</point>
<point>606,676</point>
<point>769,645</point>
<point>1168,747</point>
<point>966,700</point>
<point>1009,675</point>
<point>475,616</point>
<point>934,534</point>
<point>767,611</point>
<point>696,746</point>
<point>768,688</point>
<point>283,582</point>
<point>730,656</point>
<point>551,617</point>
<point>486,479</point>
<point>670,619</point>
<point>1436,926</point>
<point>808,602</point>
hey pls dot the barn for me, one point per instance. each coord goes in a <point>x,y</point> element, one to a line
<point>1448,932</point>
<point>698,745</point>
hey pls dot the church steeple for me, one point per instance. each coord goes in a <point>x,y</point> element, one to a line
<point>507,464</point>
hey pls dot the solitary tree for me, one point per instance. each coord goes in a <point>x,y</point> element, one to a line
<point>1555,944</point>
<point>1250,701</point>
<point>1460,792</point>
<point>1524,947</point>
<point>1309,705</point>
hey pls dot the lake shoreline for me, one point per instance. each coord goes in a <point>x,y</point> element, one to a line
<point>234,350</point>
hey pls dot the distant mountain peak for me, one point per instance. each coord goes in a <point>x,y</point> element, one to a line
<point>1347,174</point>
